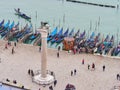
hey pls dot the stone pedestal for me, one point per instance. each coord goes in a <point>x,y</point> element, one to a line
<point>43,77</point>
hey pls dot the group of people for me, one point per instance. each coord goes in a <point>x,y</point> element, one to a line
<point>14,81</point>
<point>30,72</point>
<point>93,66</point>
<point>51,87</point>
<point>9,44</point>
<point>73,72</point>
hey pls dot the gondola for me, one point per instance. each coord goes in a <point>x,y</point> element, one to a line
<point>116,50</point>
<point>5,26</point>
<point>52,34</point>
<point>16,27</point>
<point>61,38</point>
<point>82,36</point>
<point>19,33</point>
<point>71,34</point>
<point>57,36</point>
<point>23,15</point>
<point>27,30</point>
<point>2,22</point>
<point>12,31</point>
<point>77,33</point>
<point>8,29</point>
<point>31,38</point>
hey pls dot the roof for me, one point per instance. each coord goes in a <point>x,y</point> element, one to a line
<point>69,39</point>
<point>4,86</point>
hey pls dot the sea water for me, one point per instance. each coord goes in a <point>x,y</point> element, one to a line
<point>66,14</point>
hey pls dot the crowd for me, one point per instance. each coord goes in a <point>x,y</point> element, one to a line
<point>90,66</point>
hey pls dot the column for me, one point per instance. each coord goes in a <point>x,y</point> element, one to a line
<point>43,32</point>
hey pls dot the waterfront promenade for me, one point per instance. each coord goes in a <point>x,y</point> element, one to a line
<point>15,67</point>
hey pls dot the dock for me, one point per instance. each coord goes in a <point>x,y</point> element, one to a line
<point>94,4</point>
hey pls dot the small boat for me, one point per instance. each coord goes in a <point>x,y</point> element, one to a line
<point>116,50</point>
<point>5,26</point>
<point>52,34</point>
<point>82,36</point>
<point>112,39</point>
<point>97,38</point>
<point>106,39</point>
<point>11,26</point>
<point>16,27</point>
<point>23,15</point>
<point>61,38</point>
<point>31,38</point>
<point>71,34</point>
<point>12,31</point>
<point>19,33</point>
<point>7,30</point>
<point>109,43</point>
<point>2,22</point>
<point>37,41</point>
<point>15,33</point>
<point>57,36</point>
<point>77,33</point>
<point>28,30</point>
<point>93,41</point>
<point>90,40</point>
<point>91,37</point>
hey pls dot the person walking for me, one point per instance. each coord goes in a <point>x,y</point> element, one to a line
<point>103,68</point>
<point>58,48</point>
<point>6,46</point>
<point>29,71</point>
<point>0,60</point>
<point>75,71</point>
<point>58,54</point>
<point>13,50</point>
<point>71,73</point>
<point>32,73</point>
<point>55,82</point>
<point>88,66</point>
<point>118,76</point>
<point>50,87</point>
<point>93,66</point>
<point>15,44</point>
<point>17,40</point>
<point>39,48</point>
<point>83,61</point>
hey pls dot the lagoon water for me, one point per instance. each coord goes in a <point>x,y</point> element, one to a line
<point>66,14</point>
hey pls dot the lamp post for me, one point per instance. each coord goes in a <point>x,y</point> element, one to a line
<point>42,76</point>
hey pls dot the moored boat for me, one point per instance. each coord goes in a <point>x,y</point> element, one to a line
<point>5,26</point>
<point>61,38</point>
<point>7,30</point>
<point>52,34</point>
<point>71,34</point>
<point>2,22</point>
<point>31,38</point>
<point>57,36</point>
